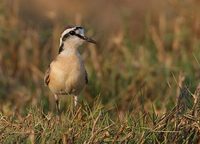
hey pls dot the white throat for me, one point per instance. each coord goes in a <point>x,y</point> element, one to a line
<point>69,49</point>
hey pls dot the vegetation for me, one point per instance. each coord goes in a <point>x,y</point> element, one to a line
<point>143,74</point>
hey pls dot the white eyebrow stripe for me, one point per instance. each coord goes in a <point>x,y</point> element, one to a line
<point>64,33</point>
<point>67,31</point>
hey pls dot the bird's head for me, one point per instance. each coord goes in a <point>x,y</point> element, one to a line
<point>73,37</point>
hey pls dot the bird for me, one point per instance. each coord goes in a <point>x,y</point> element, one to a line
<point>66,74</point>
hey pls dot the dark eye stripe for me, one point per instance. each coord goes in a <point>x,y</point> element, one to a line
<point>80,36</point>
<point>61,48</point>
<point>65,36</point>
<point>68,34</point>
<point>72,33</point>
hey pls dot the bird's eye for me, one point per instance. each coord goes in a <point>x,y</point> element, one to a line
<point>72,32</point>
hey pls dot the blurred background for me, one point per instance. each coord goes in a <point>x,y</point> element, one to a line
<point>146,48</point>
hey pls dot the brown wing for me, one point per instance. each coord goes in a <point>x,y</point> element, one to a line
<point>46,76</point>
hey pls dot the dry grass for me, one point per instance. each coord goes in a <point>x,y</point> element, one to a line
<point>144,70</point>
<point>97,125</point>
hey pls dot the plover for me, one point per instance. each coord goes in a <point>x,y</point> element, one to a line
<point>66,74</point>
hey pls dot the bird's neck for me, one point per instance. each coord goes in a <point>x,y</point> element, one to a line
<point>69,50</point>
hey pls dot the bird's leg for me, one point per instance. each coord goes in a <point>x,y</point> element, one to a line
<point>57,103</point>
<point>74,103</point>
<point>75,100</point>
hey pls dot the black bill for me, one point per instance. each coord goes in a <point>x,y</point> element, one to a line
<point>86,39</point>
<point>89,40</point>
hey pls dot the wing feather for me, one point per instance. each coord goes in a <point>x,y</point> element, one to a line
<point>46,76</point>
